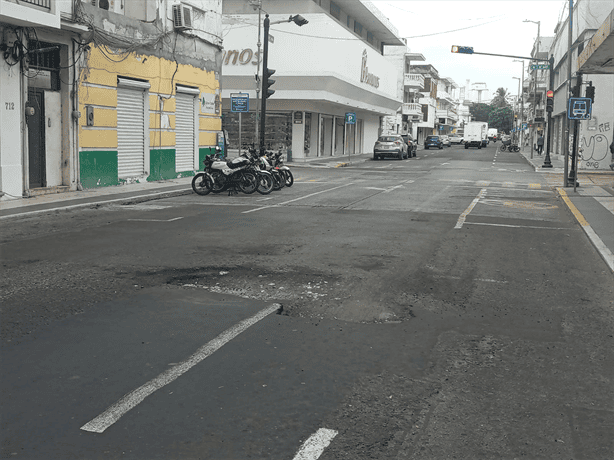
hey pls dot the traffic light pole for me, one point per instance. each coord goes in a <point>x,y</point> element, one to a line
<point>264,79</point>
<point>547,162</point>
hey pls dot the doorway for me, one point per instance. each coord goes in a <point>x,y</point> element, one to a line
<point>36,139</point>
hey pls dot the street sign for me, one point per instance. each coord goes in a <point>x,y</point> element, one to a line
<point>239,102</point>
<point>579,108</point>
<point>350,118</point>
<point>539,66</point>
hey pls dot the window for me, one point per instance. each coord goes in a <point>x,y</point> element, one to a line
<point>357,27</point>
<point>335,10</point>
<point>348,21</point>
<point>370,37</point>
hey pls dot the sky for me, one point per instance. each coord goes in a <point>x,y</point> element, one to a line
<point>495,26</point>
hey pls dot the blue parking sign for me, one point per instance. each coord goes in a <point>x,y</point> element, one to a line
<point>579,108</point>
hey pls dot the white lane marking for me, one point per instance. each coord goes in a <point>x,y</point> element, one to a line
<point>315,445</point>
<point>518,226</point>
<point>155,220</point>
<point>94,203</point>
<point>132,399</point>
<point>390,189</point>
<point>463,216</point>
<point>375,188</point>
<point>296,199</point>
<point>484,280</point>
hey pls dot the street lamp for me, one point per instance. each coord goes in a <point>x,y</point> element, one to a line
<point>521,96</point>
<point>534,79</point>
<point>267,73</point>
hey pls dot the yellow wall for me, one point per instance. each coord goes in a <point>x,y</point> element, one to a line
<point>98,87</point>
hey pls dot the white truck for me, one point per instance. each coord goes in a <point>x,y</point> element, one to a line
<point>476,134</point>
<point>492,134</point>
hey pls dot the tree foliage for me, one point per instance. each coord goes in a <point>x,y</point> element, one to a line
<point>501,118</point>
<point>500,99</point>
<point>480,112</point>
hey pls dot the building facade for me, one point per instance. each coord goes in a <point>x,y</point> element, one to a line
<point>409,84</point>
<point>447,106</point>
<point>332,66</point>
<point>113,92</point>
<point>591,56</point>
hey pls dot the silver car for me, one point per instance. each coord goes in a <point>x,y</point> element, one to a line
<point>445,140</point>
<point>391,145</point>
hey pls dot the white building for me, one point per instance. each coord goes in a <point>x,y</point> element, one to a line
<point>592,55</point>
<point>332,66</point>
<point>409,86</point>
<point>447,106</point>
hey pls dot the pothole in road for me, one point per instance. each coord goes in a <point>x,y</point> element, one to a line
<point>302,292</point>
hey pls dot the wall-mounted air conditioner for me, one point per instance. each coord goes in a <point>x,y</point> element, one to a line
<point>182,17</point>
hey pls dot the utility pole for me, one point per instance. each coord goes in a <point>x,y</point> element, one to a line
<point>565,119</point>
<point>258,4</point>
<point>547,162</point>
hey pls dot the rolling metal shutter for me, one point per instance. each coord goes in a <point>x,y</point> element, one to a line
<point>185,128</point>
<point>131,128</point>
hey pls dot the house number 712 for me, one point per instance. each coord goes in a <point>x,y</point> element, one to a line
<point>10,105</point>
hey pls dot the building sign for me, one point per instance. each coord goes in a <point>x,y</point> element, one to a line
<point>239,102</point>
<point>207,103</point>
<point>365,76</point>
<point>350,118</point>
<point>240,57</point>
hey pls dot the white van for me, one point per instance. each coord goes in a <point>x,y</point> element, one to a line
<point>492,134</point>
<point>476,134</point>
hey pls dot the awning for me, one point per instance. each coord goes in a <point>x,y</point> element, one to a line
<point>598,55</point>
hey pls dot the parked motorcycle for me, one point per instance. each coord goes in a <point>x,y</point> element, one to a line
<point>277,162</point>
<point>278,180</point>
<point>233,175</point>
<point>203,182</point>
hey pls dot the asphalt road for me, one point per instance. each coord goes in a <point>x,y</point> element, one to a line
<point>445,306</point>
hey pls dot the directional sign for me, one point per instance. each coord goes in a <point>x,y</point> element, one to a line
<point>239,102</point>
<point>539,66</point>
<point>579,108</point>
<point>350,118</point>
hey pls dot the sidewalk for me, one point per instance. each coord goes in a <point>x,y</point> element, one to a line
<point>592,203</point>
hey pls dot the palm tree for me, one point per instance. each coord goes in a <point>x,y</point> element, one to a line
<point>500,99</point>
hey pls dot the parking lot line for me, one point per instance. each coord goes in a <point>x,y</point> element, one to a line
<point>297,199</point>
<point>463,216</point>
<point>315,445</point>
<point>132,399</point>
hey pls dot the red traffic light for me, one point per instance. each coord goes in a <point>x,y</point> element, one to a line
<point>549,94</point>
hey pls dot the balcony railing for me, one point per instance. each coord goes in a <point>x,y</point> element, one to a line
<point>412,109</point>
<point>414,80</point>
<point>41,3</point>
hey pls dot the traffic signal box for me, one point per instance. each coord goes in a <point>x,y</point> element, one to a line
<point>268,82</point>
<point>462,49</point>
<point>549,101</point>
<point>590,91</point>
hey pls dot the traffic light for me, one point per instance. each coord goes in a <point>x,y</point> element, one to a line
<point>549,101</point>
<point>462,49</point>
<point>267,82</point>
<point>590,91</point>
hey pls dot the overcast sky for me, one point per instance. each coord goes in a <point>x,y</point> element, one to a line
<point>494,26</point>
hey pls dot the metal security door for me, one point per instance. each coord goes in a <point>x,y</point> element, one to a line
<point>185,142</point>
<point>36,139</point>
<point>130,131</point>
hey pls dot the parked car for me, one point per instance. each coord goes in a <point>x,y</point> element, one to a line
<point>445,141</point>
<point>412,145</point>
<point>432,141</point>
<point>456,139</point>
<point>391,145</point>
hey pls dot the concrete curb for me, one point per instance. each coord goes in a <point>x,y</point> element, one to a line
<point>603,250</point>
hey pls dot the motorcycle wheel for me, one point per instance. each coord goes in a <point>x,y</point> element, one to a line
<point>202,184</point>
<point>265,184</point>
<point>220,183</point>
<point>516,149</point>
<point>277,180</point>
<point>289,178</point>
<point>248,183</point>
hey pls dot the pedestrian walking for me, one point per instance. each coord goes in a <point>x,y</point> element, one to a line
<point>540,144</point>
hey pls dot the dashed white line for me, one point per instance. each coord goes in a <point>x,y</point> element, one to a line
<point>296,199</point>
<point>315,445</point>
<point>132,399</point>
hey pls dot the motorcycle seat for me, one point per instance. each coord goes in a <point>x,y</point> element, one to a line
<point>237,162</point>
